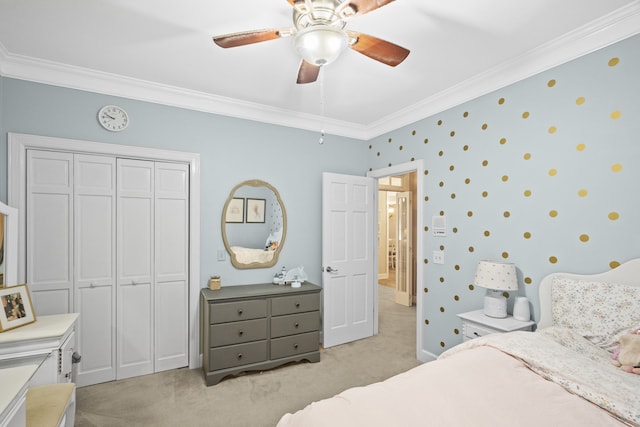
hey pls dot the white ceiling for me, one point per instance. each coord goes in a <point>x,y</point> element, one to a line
<point>162,51</point>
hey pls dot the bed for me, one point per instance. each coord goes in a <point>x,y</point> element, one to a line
<point>559,375</point>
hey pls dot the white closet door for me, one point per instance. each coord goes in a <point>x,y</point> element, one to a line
<point>95,266</point>
<point>135,267</point>
<point>50,231</point>
<point>171,266</point>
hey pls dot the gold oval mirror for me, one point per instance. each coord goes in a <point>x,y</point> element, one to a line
<point>254,224</point>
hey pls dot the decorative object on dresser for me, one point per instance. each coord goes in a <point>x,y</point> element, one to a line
<point>17,309</point>
<point>476,324</point>
<point>496,277</point>
<point>521,309</point>
<point>257,327</point>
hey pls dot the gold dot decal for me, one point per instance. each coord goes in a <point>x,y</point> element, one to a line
<point>451,168</point>
<point>613,216</point>
<point>378,154</point>
<point>453,195</point>
<point>614,264</point>
<point>455,229</point>
<point>527,156</point>
<point>441,184</point>
<point>487,233</point>
<point>401,148</point>
<point>413,132</point>
<point>582,192</point>
<point>471,249</point>
<point>485,162</point>
<point>465,114</point>
<point>442,280</point>
<point>426,290</point>
<point>527,193</point>
<point>553,172</point>
<point>467,181</point>
<point>553,214</point>
<point>552,129</point>
<point>465,148</point>
<point>503,141</point>
<point>615,115</point>
<point>389,141</point>
<point>442,344</point>
<point>506,214</point>
<point>527,235</point>
<point>485,194</point>
<point>484,126</point>
<point>469,214</point>
<point>456,331</point>
<point>471,287</point>
<point>528,280</point>
<point>613,62</point>
<point>441,309</point>
<point>426,171</point>
<point>440,153</point>
<point>584,238</point>
<point>439,122</point>
<point>426,321</point>
<point>581,147</point>
<point>553,259</point>
<point>501,101</point>
<point>456,267</point>
<point>505,255</point>
<point>525,115</point>
<point>456,298</point>
<point>580,100</point>
<point>551,83</point>
<point>370,147</point>
<point>426,140</point>
<point>505,178</point>
<point>453,133</point>
<point>616,168</point>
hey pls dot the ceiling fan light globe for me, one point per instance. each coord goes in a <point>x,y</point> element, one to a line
<point>320,44</point>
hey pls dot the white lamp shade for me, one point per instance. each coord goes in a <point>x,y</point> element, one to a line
<point>320,44</point>
<point>496,275</point>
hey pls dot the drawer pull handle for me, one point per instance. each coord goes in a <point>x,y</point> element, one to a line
<point>297,325</point>
<point>240,333</point>
<point>297,305</point>
<point>240,312</point>
<point>295,346</point>
<point>239,356</point>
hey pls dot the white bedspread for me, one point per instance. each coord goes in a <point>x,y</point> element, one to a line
<point>250,255</point>
<point>478,384</point>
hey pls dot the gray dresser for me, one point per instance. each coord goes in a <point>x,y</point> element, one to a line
<point>258,327</point>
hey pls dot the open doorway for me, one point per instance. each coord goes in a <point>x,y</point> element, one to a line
<point>414,168</point>
<point>397,236</point>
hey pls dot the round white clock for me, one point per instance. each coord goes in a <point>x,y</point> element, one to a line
<point>113,118</point>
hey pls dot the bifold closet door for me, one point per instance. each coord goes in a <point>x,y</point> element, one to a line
<point>50,231</point>
<point>95,267</point>
<point>171,291</point>
<point>135,235</point>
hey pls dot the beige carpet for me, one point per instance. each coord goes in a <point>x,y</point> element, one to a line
<point>181,398</point>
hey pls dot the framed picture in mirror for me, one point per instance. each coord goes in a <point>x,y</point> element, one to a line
<point>255,210</point>
<point>235,211</point>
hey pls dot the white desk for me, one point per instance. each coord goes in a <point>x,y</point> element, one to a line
<point>51,337</point>
<point>15,381</point>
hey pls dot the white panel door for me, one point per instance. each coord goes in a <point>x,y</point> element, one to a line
<point>171,266</point>
<point>349,276</point>
<point>404,265</point>
<point>50,231</point>
<point>134,267</point>
<point>95,266</point>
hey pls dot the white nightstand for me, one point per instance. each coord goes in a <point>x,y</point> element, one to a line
<point>476,324</point>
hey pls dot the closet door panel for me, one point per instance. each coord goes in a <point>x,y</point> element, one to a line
<point>95,285</point>
<point>50,224</point>
<point>171,266</point>
<point>135,328</point>
<point>135,315</point>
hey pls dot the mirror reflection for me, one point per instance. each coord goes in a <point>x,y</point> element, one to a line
<point>254,224</point>
<point>1,250</point>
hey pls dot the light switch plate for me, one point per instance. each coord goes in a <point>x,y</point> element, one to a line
<point>438,257</point>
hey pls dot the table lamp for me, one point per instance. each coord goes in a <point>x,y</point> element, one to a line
<point>496,277</point>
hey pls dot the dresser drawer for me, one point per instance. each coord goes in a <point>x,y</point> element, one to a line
<point>237,355</point>
<point>472,331</point>
<point>237,332</point>
<point>295,304</point>
<point>295,344</point>
<point>239,310</point>
<point>294,324</point>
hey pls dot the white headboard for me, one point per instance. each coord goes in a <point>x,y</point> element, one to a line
<point>625,274</point>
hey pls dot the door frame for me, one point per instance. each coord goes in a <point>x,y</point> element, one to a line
<point>401,169</point>
<point>18,144</point>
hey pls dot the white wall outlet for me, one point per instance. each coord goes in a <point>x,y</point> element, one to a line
<point>222,255</point>
<point>438,257</point>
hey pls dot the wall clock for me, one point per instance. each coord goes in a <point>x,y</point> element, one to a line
<point>113,118</point>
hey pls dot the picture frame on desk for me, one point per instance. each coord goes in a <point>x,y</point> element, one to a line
<point>17,309</point>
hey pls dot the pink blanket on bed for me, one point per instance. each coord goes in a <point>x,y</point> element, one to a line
<point>477,387</point>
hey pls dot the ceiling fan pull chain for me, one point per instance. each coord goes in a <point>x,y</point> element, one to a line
<point>321,141</point>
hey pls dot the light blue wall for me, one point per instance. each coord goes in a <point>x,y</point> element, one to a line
<point>581,132</point>
<point>231,150</point>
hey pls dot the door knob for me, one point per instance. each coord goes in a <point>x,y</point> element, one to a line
<point>331,270</point>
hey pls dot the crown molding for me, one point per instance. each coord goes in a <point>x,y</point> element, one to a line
<point>611,28</point>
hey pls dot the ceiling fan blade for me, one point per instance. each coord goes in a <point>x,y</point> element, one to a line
<point>360,7</point>
<point>308,73</point>
<point>378,49</point>
<point>249,37</point>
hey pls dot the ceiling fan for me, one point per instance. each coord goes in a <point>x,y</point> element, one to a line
<point>320,36</point>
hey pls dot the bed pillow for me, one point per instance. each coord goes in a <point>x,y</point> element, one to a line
<point>600,312</point>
